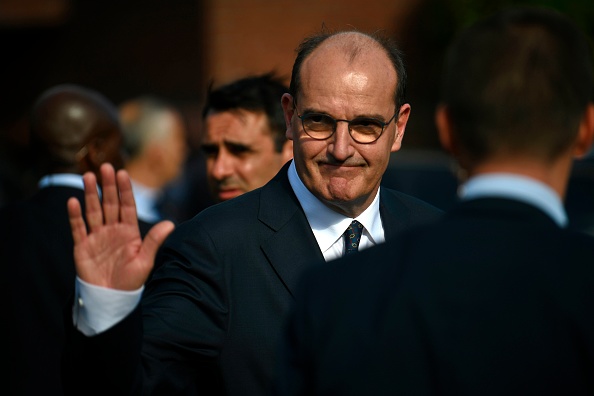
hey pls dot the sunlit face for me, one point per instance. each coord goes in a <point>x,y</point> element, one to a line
<point>240,153</point>
<point>342,173</point>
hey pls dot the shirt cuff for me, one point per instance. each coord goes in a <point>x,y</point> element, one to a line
<point>96,308</point>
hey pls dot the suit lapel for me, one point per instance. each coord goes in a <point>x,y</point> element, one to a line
<point>292,246</point>
<point>395,217</point>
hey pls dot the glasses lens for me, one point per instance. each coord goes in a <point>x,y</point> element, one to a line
<point>366,129</point>
<point>318,126</point>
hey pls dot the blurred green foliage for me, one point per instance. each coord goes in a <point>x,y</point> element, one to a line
<point>426,38</point>
<point>465,12</point>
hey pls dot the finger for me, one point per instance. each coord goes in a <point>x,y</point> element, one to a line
<point>92,203</point>
<point>77,223</point>
<point>155,237</point>
<point>111,200</point>
<point>127,203</point>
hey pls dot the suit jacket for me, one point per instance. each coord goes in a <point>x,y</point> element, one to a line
<point>37,281</point>
<point>37,284</point>
<point>215,309</point>
<point>494,299</point>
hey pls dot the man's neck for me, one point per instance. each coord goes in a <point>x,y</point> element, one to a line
<point>554,174</point>
<point>143,174</point>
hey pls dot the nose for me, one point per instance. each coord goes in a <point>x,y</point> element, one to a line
<point>340,145</point>
<point>222,166</point>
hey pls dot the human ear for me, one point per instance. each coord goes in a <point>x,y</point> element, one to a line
<point>403,115</point>
<point>289,109</point>
<point>586,133</point>
<point>95,154</point>
<point>445,129</point>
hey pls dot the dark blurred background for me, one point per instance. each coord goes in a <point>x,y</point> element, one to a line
<point>176,48</point>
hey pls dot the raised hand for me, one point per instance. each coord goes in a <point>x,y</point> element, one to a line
<point>111,252</point>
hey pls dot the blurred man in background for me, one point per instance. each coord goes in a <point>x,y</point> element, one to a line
<point>73,130</point>
<point>155,140</point>
<point>244,137</point>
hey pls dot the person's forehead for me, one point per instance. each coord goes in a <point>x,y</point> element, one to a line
<point>333,77</point>
<point>238,126</point>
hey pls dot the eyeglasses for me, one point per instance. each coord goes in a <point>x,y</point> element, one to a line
<point>363,130</point>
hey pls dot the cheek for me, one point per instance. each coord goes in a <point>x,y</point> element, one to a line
<point>246,167</point>
<point>308,149</point>
<point>257,170</point>
<point>377,161</point>
<point>209,166</point>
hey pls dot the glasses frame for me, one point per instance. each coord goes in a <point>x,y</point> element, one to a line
<point>384,124</point>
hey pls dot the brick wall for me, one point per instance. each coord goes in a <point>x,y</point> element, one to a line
<point>253,36</point>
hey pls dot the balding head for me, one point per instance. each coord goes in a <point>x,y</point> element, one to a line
<point>74,129</point>
<point>353,45</point>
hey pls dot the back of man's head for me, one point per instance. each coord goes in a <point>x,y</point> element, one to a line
<point>518,82</point>
<point>74,129</point>
<point>258,94</point>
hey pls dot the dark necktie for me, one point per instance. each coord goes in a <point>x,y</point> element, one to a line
<point>352,236</point>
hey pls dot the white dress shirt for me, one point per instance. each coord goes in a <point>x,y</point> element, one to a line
<point>328,226</point>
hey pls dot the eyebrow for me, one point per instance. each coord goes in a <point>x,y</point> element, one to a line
<point>236,146</point>
<point>227,143</point>
<point>308,110</point>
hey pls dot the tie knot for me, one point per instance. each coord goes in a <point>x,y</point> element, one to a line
<point>352,236</point>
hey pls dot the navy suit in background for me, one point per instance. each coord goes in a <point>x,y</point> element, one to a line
<point>37,283</point>
<point>495,299</point>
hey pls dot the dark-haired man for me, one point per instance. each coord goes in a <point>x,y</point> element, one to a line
<point>244,135</point>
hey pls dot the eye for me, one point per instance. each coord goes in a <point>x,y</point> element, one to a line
<point>210,150</point>
<point>237,149</point>
<point>317,121</point>
<point>366,123</point>
<point>316,118</point>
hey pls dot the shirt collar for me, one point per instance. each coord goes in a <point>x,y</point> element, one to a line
<point>146,199</point>
<point>516,187</point>
<point>328,225</point>
<point>62,180</point>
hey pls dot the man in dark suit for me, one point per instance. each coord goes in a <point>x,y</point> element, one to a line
<point>495,298</point>
<point>212,315</point>
<point>73,130</point>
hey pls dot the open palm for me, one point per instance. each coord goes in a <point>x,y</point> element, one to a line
<point>108,250</point>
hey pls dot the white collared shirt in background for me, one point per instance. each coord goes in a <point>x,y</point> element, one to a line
<point>521,188</point>
<point>62,180</point>
<point>146,199</point>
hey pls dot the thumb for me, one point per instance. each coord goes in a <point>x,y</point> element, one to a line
<point>155,237</point>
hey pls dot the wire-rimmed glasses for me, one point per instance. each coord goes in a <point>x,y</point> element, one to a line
<point>363,130</point>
